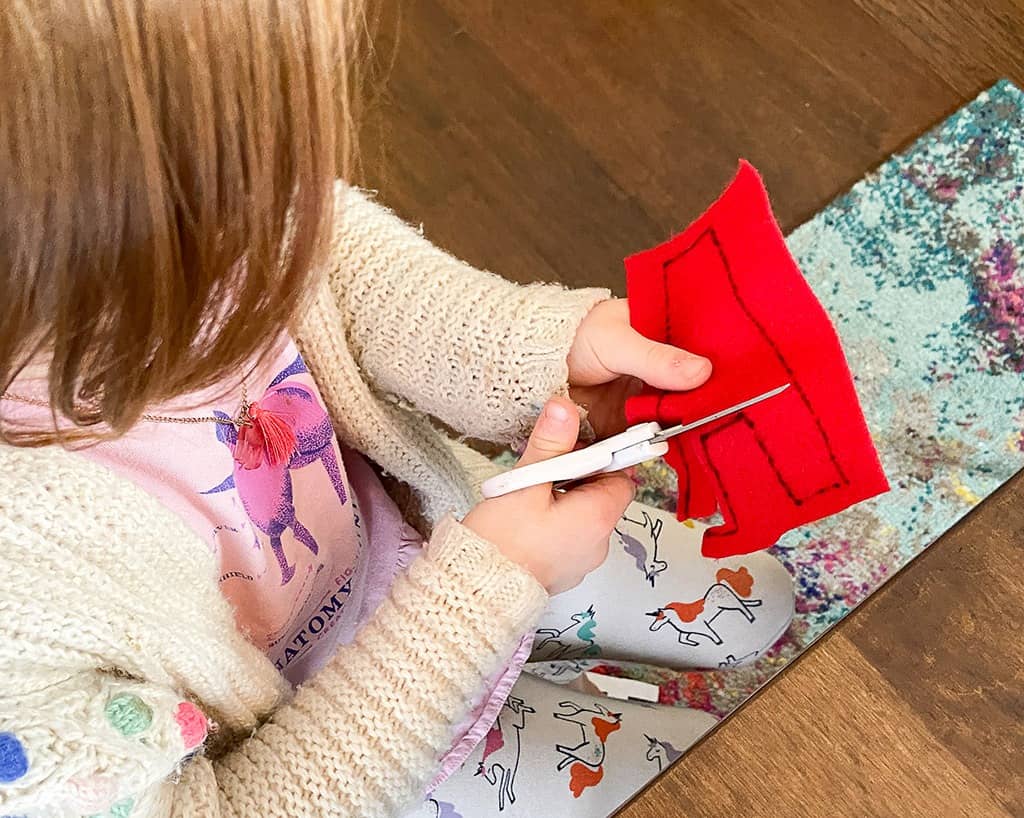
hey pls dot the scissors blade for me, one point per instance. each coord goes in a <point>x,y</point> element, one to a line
<point>672,431</point>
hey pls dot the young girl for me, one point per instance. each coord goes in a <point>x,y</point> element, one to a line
<point>210,352</point>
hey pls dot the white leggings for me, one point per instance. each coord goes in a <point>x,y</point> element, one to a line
<point>555,751</point>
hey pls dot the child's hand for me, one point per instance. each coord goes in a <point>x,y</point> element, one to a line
<point>609,361</point>
<point>559,538</point>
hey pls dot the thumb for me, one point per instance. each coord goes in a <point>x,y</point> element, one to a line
<point>659,365</point>
<point>555,433</point>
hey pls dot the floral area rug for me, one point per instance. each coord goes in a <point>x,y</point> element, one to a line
<point>919,267</point>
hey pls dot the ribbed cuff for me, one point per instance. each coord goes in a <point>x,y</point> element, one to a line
<point>479,579</point>
<point>365,735</point>
<point>551,318</point>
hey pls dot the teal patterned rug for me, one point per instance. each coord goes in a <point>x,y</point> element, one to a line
<point>919,267</point>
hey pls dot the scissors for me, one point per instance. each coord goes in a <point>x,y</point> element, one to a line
<point>638,444</point>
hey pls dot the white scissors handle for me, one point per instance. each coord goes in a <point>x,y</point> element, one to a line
<point>637,444</point>
<point>620,451</point>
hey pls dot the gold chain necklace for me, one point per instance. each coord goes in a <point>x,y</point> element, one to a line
<point>264,436</point>
<point>242,419</point>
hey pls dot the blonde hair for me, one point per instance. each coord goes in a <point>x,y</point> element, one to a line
<point>166,187</point>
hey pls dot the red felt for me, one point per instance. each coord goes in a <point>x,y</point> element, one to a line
<point>727,288</point>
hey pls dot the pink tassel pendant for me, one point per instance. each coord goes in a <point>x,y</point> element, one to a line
<point>266,436</point>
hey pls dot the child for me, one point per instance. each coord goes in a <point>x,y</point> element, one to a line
<point>209,352</point>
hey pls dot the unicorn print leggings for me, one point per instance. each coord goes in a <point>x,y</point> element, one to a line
<point>555,750</point>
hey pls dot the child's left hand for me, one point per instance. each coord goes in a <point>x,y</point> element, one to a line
<point>610,361</point>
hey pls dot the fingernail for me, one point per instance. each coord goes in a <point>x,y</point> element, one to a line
<point>692,366</point>
<point>556,412</point>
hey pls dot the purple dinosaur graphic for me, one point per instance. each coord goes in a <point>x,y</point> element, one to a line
<point>266,491</point>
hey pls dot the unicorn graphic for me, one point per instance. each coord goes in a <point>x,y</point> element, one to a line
<point>500,761</point>
<point>587,757</point>
<point>648,564</point>
<point>266,491</point>
<point>549,645</point>
<point>732,661</point>
<point>661,752</point>
<point>695,619</point>
<point>570,667</point>
<point>442,809</point>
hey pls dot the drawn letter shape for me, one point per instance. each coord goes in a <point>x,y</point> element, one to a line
<point>728,288</point>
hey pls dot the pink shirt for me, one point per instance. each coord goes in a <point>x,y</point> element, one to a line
<point>306,549</point>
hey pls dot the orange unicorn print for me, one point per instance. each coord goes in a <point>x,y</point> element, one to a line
<point>693,621</point>
<point>587,757</point>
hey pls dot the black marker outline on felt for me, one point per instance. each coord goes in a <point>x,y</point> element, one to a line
<point>711,234</point>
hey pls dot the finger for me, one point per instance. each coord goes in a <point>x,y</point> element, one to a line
<point>555,433</point>
<point>660,365</point>
<point>606,404</point>
<point>601,500</point>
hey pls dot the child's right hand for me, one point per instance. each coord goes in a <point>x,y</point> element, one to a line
<point>559,538</point>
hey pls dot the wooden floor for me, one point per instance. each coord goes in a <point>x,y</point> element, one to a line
<point>547,140</point>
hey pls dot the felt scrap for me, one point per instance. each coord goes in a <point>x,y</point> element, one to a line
<point>727,288</point>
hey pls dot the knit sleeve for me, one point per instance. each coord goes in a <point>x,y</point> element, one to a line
<point>362,738</point>
<point>93,743</point>
<point>476,351</point>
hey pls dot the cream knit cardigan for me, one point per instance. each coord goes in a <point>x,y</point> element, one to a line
<point>105,595</point>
